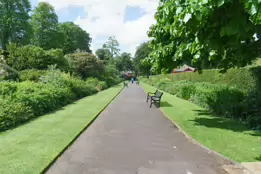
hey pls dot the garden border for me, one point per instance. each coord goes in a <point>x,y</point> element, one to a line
<point>239,165</point>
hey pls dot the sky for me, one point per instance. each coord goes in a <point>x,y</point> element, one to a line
<point>127,20</point>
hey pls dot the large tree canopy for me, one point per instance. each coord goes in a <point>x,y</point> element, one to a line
<point>202,31</point>
<point>46,32</point>
<point>74,38</point>
<point>113,45</point>
<point>103,54</point>
<point>124,62</point>
<point>14,22</point>
<point>142,52</point>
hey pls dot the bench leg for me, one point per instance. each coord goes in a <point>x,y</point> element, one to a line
<point>151,102</point>
<point>147,99</point>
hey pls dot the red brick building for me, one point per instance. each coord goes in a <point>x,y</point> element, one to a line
<point>184,68</point>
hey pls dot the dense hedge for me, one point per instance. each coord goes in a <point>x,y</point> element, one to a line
<point>244,78</point>
<point>29,57</point>
<point>37,95</point>
<point>31,75</point>
<point>235,94</point>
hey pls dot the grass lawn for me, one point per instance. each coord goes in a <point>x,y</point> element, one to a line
<point>30,148</point>
<point>226,136</point>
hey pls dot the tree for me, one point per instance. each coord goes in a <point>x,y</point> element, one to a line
<point>142,52</point>
<point>124,62</point>
<point>74,38</point>
<point>103,54</point>
<point>14,22</point>
<point>85,65</point>
<point>113,45</point>
<point>216,32</point>
<point>46,32</point>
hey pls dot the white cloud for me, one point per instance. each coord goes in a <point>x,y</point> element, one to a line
<point>105,18</point>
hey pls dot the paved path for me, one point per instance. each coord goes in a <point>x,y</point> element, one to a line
<point>130,138</point>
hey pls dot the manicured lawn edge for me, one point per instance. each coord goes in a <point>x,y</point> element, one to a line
<point>33,147</point>
<point>189,137</point>
<point>183,124</point>
<point>84,129</point>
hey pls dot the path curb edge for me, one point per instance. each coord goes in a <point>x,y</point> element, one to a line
<point>199,144</point>
<point>77,136</point>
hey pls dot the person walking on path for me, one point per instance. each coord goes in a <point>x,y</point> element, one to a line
<point>132,80</point>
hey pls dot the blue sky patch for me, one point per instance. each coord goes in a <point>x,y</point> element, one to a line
<point>133,13</point>
<point>71,13</point>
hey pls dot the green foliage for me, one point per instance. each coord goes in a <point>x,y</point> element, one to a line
<point>13,113</point>
<point>113,46</point>
<point>74,38</point>
<point>212,33</point>
<point>14,22</point>
<point>7,88</point>
<point>124,62</point>
<point>235,94</point>
<point>245,79</point>
<point>52,90</point>
<point>104,54</point>
<point>219,99</point>
<point>42,98</point>
<point>186,91</point>
<point>142,52</point>
<point>29,57</point>
<point>100,85</point>
<point>92,81</point>
<point>85,65</point>
<point>46,33</point>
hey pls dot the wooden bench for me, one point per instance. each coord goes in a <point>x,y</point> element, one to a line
<point>125,84</point>
<point>154,97</point>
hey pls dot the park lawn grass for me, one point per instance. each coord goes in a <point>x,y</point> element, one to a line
<point>31,147</point>
<point>225,136</point>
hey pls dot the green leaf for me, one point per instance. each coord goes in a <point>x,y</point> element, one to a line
<point>220,3</point>
<point>222,32</point>
<point>179,10</point>
<point>253,10</point>
<point>212,53</point>
<point>197,56</point>
<point>204,1</point>
<point>187,17</point>
<point>198,16</point>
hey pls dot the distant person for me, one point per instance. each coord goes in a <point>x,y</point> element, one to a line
<point>132,80</point>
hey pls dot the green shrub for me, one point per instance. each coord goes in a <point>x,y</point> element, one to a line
<point>33,57</point>
<point>54,89</point>
<point>42,98</point>
<point>92,81</point>
<point>186,91</point>
<point>31,75</point>
<point>220,99</point>
<point>7,88</point>
<point>13,113</point>
<point>245,79</point>
<point>111,80</point>
<point>102,85</point>
<point>78,87</point>
<point>85,65</point>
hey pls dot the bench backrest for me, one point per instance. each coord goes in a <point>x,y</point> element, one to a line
<point>158,94</point>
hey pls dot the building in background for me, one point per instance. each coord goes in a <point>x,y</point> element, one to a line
<point>184,68</point>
